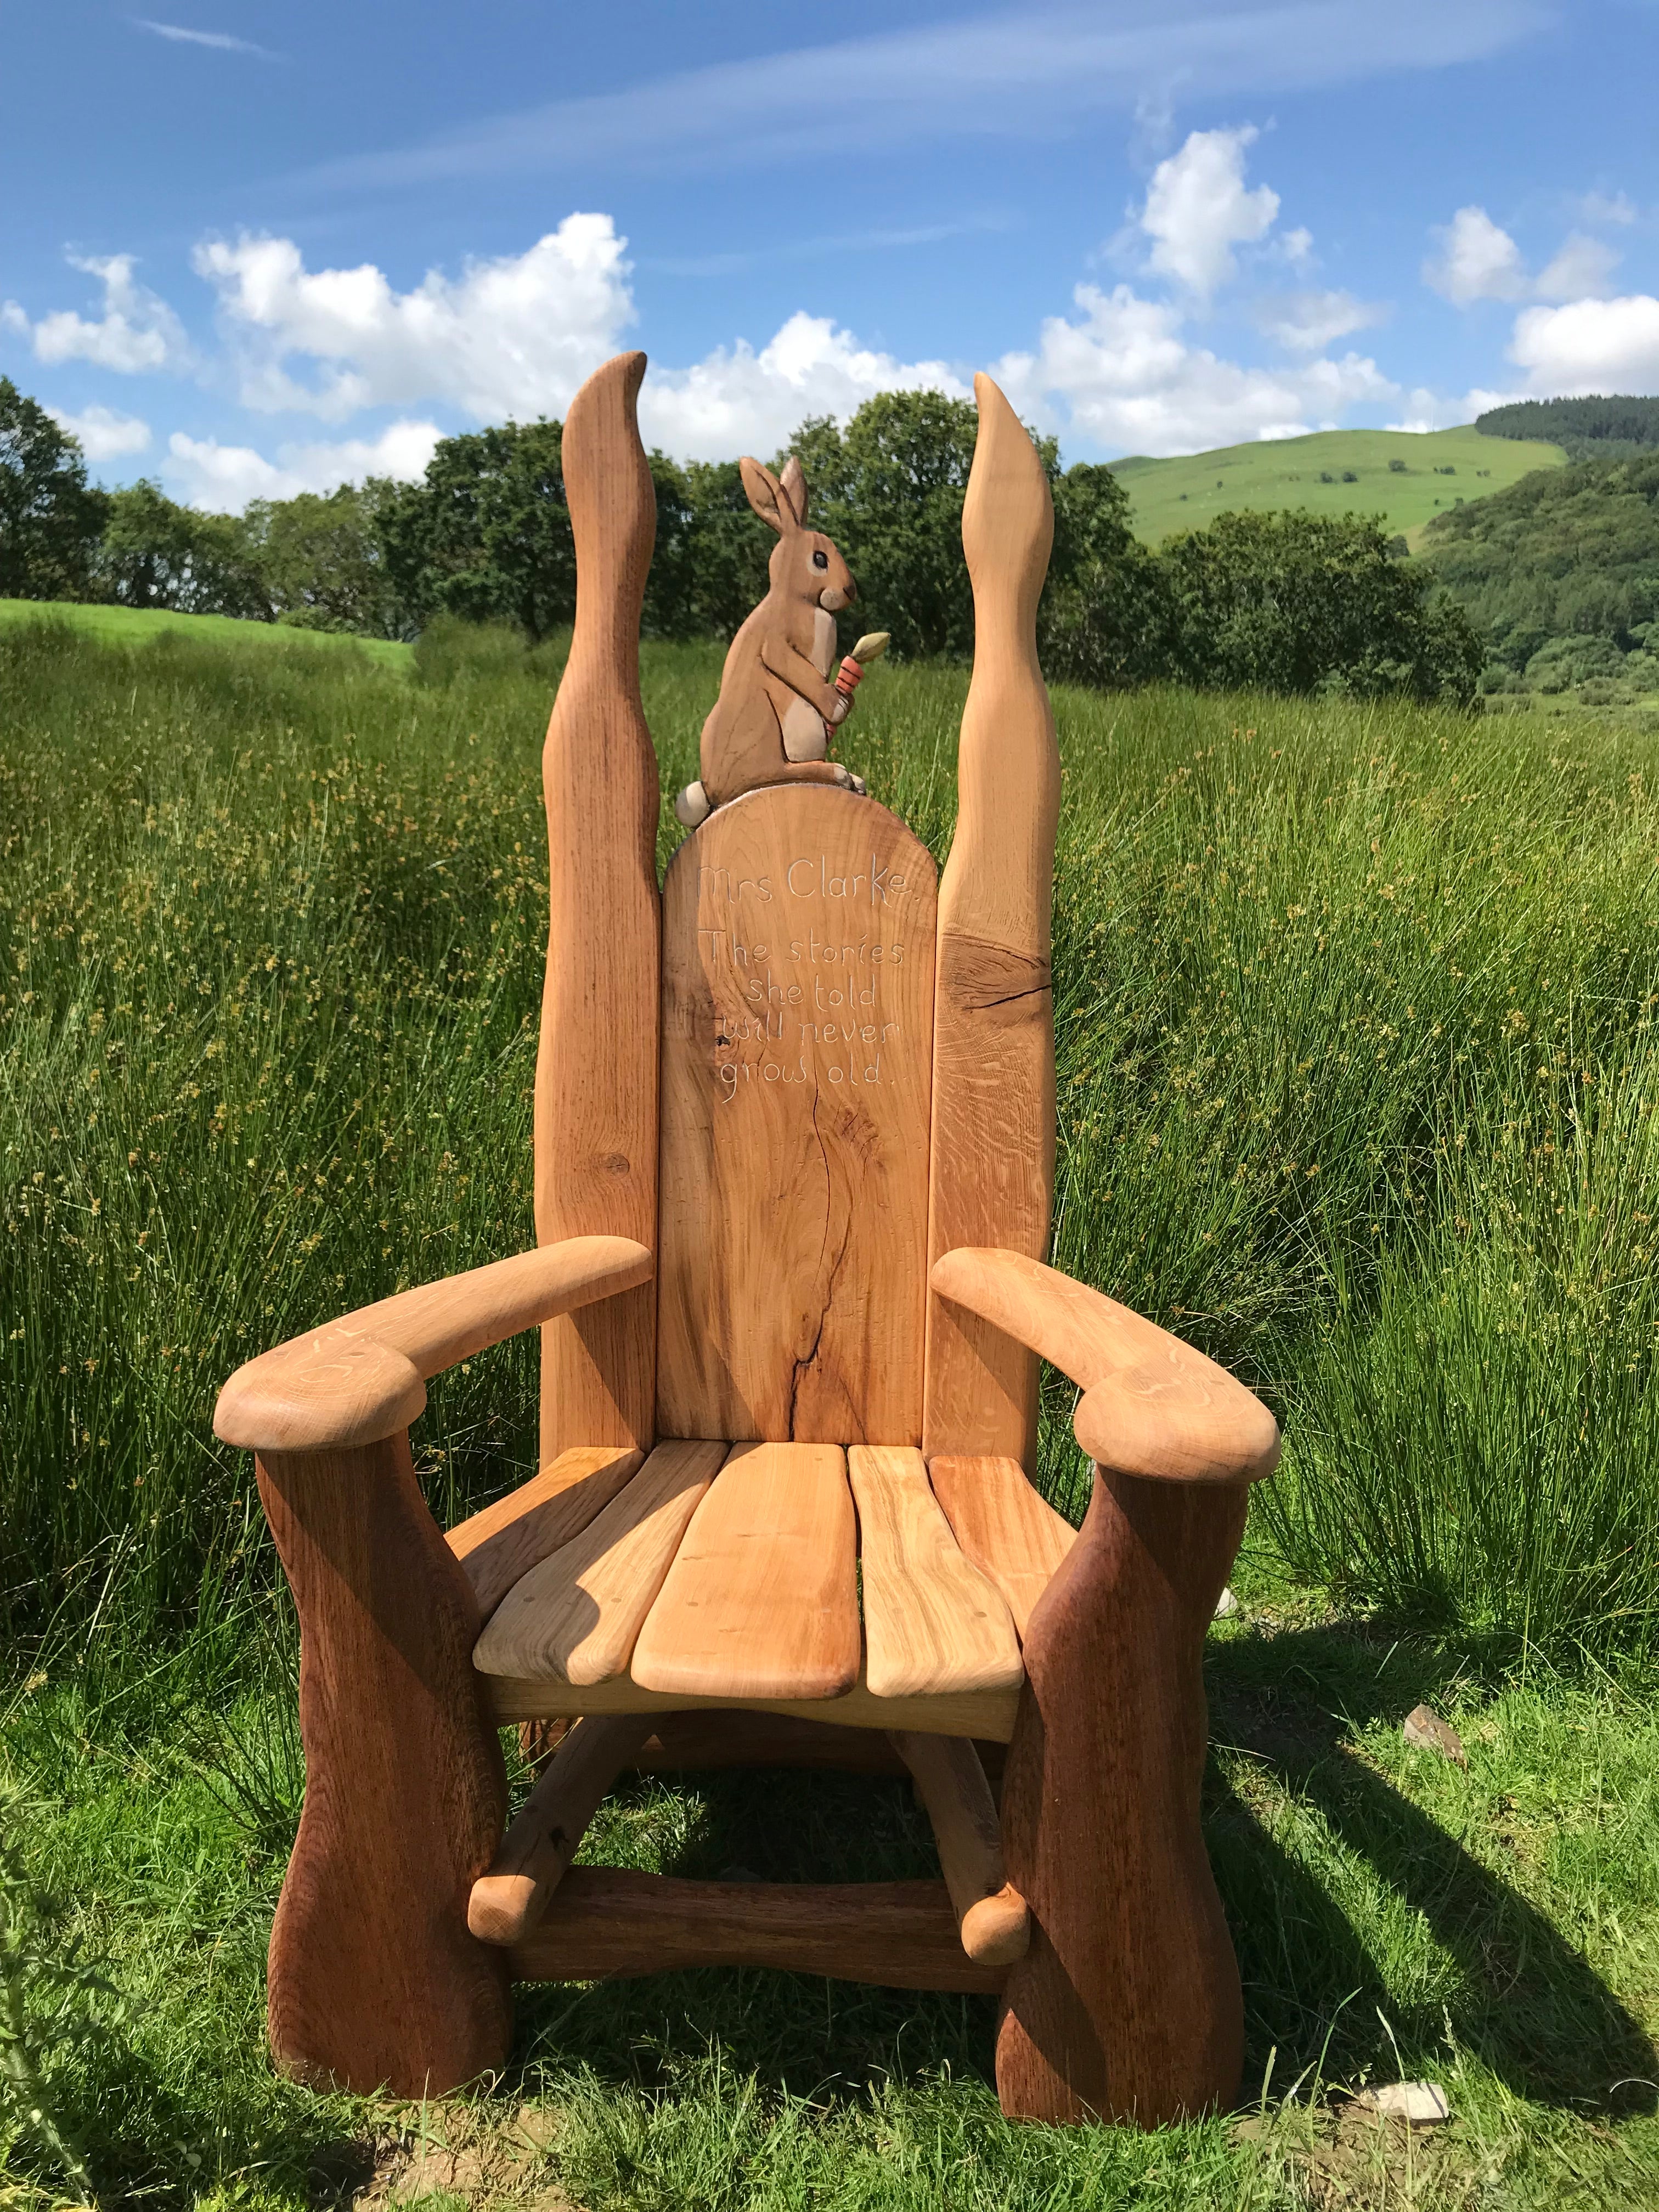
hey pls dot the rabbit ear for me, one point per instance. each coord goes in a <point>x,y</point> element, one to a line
<point>767,497</point>
<point>794,482</point>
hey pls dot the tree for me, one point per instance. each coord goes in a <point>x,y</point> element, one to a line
<point>727,549</point>
<point>1301,602</point>
<point>322,559</point>
<point>889,489</point>
<point>1105,618</point>
<point>50,516</point>
<point>155,553</point>
<point>486,534</point>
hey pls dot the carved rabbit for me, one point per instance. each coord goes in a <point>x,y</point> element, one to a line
<point>771,723</point>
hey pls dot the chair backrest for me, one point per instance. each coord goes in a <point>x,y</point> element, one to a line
<point>797,1103</point>
<point>856,1056</point>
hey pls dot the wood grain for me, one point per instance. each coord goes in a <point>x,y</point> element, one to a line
<point>500,1545</point>
<point>1152,1406</point>
<point>991,1918</point>
<point>798,971</point>
<point>897,1935</point>
<point>1004,1525</point>
<point>932,1620</point>
<point>993,1031</point>
<point>1127,2004</point>
<point>362,1376</point>
<point>374,1979</point>
<point>575,1618</point>
<point>596,1064</point>
<point>437,1324</point>
<point>710,1737</point>
<point>762,1600</point>
<point>987,1716</point>
<point>335,1388</point>
<point>507,1901</point>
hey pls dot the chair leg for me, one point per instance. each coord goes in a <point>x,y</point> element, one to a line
<point>374,1979</point>
<point>1128,2005</point>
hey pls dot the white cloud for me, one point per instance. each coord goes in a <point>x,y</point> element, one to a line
<point>1308,322</point>
<point>1130,381</point>
<point>1581,269</point>
<point>1601,207</point>
<point>512,337</point>
<point>222,41</point>
<point>1589,345</point>
<point>1198,210</point>
<point>517,336</point>
<point>740,400</point>
<point>101,433</point>
<point>1025,71</point>
<point>224,478</point>
<point>136,331</point>
<point>1428,411</point>
<point>1477,260</point>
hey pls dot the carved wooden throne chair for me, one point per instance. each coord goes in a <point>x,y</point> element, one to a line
<point>794,1143</point>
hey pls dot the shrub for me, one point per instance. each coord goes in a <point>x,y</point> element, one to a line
<point>1562,662</point>
<point>1299,602</point>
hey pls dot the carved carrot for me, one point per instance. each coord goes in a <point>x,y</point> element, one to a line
<point>869,648</point>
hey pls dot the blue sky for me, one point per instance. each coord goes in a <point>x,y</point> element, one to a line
<point>253,248</point>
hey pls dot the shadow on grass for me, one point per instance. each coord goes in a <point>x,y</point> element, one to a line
<point>1518,1996</point>
<point>831,2041</point>
<point>1514,1993</point>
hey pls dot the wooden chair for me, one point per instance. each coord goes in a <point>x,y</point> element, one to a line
<point>795,1145</point>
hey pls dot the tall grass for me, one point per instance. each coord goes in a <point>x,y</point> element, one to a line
<point>1357,1072</point>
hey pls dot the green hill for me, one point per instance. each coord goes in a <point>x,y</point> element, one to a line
<point>138,625</point>
<point>1333,472</point>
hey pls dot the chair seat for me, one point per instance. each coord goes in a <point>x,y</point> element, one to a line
<point>733,1575</point>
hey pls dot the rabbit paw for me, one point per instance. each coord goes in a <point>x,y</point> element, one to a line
<point>840,711</point>
<point>859,786</point>
<point>693,805</point>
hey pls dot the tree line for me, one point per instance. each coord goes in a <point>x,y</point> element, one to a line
<point>1607,428</point>
<point>1288,602</point>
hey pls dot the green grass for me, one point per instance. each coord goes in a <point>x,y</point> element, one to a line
<point>131,626</point>
<point>1496,1930</point>
<point>1356,1079</point>
<point>1192,489</point>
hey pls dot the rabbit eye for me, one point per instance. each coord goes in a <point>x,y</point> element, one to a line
<point>820,560</point>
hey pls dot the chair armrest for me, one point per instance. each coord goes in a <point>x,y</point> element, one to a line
<point>364,1376</point>
<point>1152,1406</point>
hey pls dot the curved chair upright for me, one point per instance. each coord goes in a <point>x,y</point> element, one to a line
<point>794,1153</point>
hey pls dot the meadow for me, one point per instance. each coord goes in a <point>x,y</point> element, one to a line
<point>1332,472</point>
<point>1357,1080</point>
<point>118,625</point>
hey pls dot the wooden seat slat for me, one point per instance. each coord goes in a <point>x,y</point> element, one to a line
<point>1004,1525</point>
<point>932,1621</point>
<point>502,1543</point>
<point>575,1618</point>
<point>762,1600</point>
